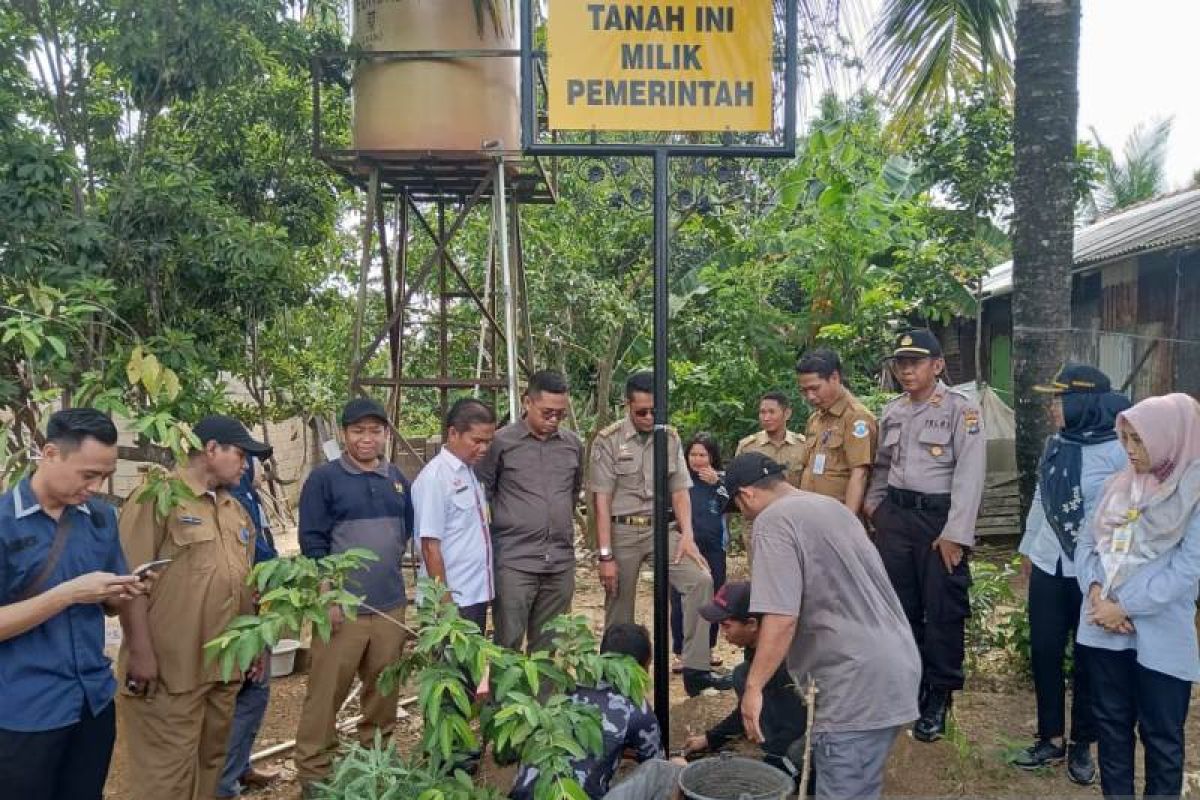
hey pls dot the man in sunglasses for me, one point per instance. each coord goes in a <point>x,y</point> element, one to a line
<point>622,485</point>
<point>532,474</point>
<point>922,501</point>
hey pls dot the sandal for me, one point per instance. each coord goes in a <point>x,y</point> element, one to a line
<point>676,664</point>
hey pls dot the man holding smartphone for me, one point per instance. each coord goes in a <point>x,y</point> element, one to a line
<point>174,710</point>
<point>61,572</point>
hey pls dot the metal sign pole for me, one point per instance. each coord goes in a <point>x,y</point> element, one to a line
<point>662,544</point>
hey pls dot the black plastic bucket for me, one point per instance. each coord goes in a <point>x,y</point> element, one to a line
<point>729,777</point>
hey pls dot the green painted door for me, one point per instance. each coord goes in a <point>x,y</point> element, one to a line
<point>1000,378</point>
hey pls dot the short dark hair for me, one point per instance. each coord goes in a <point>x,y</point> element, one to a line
<point>639,382</point>
<point>709,443</point>
<point>778,397</point>
<point>822,361</point>
<point>468,411</point>
<point>546,380</point>
<point>627,639</point>
<point>68,428</point>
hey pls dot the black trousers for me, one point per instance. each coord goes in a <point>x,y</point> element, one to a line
<point>1125,694</point>
<point>1054,602</point>
<point>68,763</point>
<point>476,613</point>
<point>936,602</point>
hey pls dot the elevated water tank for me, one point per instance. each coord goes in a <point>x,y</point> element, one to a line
<point>430,104</point>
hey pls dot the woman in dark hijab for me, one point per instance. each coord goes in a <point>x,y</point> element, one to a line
<point>1077,462</point>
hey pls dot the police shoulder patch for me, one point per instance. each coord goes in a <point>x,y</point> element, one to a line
<point>611,429</point>
<point>971,420</point>
<point>861,429</point>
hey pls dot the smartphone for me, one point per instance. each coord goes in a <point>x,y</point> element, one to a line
<point>151,565</point>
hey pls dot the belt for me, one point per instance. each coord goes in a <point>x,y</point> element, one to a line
<point>917,501</point>
<point>635,521</point>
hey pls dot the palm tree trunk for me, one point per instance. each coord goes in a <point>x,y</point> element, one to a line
<point>1044,137</point>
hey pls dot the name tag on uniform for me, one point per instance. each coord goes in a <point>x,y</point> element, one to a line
<point>460,489</point>
<point>819,464</point>
<point>189,520</point>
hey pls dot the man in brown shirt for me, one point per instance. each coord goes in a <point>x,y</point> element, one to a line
<point>841,436</point>
<point>173,710</point>
<point>622,484</point>
<point>775,440</point>
<point>532,473</point>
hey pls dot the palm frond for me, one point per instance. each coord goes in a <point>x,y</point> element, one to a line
<point>928,49</point>
<point>1140,174</point>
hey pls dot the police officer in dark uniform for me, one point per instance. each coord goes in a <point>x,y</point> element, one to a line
<point>923,499</point>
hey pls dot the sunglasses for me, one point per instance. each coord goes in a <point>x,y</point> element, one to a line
<point>644,412</point>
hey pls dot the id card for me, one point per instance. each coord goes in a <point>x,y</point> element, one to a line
<point>819,464</point>
<point>1122,538</point>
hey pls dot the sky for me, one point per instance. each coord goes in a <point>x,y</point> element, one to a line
<point>1138,60</point>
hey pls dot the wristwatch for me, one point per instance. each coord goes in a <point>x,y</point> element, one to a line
<point>606,554</point>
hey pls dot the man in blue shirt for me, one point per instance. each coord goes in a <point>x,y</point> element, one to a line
<point>255,694</point>
<point>61,571</point>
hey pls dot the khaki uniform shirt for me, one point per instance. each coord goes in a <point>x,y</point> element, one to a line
<point>935,447</point>
<point>790,453</point>
<point>622,465</point>
<point>211,540</point>
<point>836,442</point>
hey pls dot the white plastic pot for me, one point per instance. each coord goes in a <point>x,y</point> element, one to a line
<point>283,657</point>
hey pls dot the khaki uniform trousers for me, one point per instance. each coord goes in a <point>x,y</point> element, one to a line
<point>634,546</point>
<point>362,647</point>
<point>175,742</point>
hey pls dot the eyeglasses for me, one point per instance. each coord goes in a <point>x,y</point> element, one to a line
<point>643,412</point>
<point>551,413</point>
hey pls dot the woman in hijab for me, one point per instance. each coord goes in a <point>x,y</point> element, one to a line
<point>1138,562</point>
<point>1077,462</point>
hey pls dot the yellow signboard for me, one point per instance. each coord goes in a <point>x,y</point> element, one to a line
<point>686,65</point>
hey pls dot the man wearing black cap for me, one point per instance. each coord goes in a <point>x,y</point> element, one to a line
<point>826,606</point>
<point>359,500</point>
<point>783,719</point>
<point>174,711</point>
<point>922,501</point>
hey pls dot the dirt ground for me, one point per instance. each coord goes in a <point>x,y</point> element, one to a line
<point>994,716</point>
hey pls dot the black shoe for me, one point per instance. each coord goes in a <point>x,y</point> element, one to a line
<point>932,724</point>
<point>1042,753</point>
<point>696,681</point>
<point>1081,769</point>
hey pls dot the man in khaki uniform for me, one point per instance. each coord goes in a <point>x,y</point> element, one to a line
<point>775,440</point>
<point>622,485</point>
<point>923,498</point>
<point>841,436</point>
<point>173,710</point>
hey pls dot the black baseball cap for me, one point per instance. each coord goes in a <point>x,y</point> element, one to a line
<point>227,430</point>
<point>1077,379</point>
<point>360,408</point>
<point>917,343</point>
<point>732,601</point>
<point>745,470</point>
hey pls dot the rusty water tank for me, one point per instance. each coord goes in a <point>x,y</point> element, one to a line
<point>466,104</point>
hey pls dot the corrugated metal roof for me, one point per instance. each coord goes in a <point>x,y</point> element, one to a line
<point>1167,222</point>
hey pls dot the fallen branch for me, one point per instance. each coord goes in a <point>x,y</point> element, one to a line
<point>810,703</point>
<point>345,726</point>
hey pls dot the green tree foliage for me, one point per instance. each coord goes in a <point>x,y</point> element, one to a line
<point>154,166</point>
